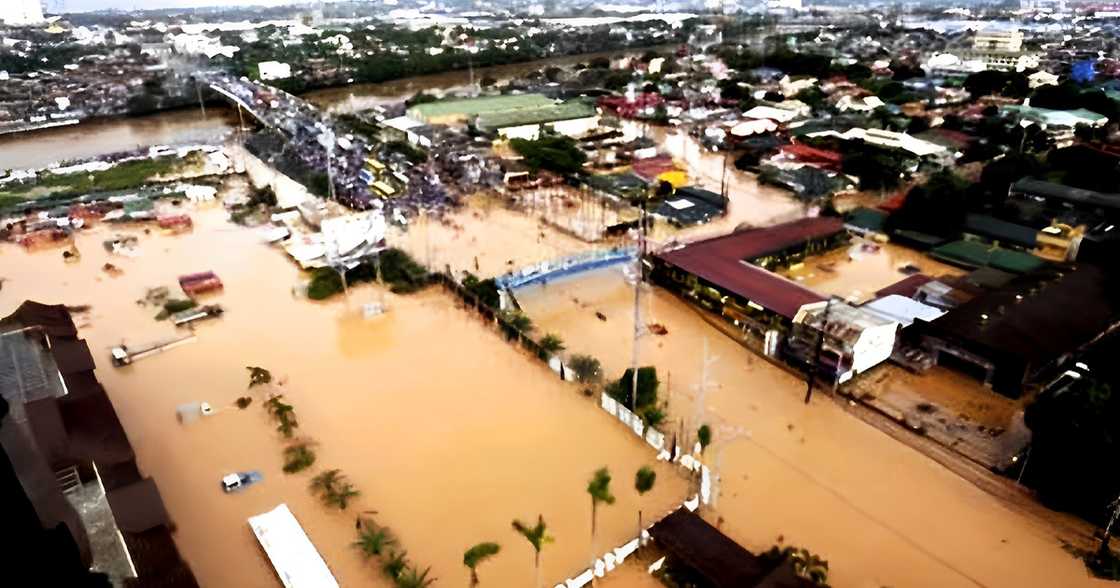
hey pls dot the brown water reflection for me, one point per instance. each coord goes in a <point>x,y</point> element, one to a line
<point>99,137</point>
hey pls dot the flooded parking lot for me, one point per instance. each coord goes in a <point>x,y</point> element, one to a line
<point>448,431</point>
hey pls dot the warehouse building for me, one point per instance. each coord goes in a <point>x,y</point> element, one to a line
<point>1011,336</point>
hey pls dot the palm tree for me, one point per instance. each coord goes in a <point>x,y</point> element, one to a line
<point>373,540</point>
<point>258,375</point>
<point>286,415</point>
<point>643,482</point>
<point>414,578</point>
<point>394,565</point>
<point>537,536</point>
<point>333,489</point>
<point>600,490</point>
<point>325,481</point>
<point>704,436</point>
<point>341,495</point>
<point>478,554</point>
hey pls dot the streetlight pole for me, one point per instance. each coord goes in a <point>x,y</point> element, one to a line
<point>1115,506</point>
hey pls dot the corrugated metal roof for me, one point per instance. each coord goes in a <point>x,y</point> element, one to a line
<point>720,261</point>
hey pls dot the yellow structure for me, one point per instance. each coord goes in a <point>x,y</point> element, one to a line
<point>1059,241</point>
<point>677,178</point>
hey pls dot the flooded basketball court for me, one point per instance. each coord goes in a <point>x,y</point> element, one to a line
<point>448,432</point>
<point>814,476</point>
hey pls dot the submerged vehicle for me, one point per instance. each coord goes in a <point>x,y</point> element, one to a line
<point>239,480</point>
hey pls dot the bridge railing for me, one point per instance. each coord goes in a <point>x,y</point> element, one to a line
<point>573,264</point>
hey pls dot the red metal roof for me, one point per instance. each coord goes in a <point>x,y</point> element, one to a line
<point>907,286</point>
<point>720,261</point>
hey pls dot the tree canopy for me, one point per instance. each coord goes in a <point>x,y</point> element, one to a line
<point>559,154</point>
<point>937,207</point>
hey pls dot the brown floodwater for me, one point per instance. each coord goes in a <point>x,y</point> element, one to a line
<point>448,432</point>
<point>94,138</point>
<point>813,476</point>
<point>750,203</point>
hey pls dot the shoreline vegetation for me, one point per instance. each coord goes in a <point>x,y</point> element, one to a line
<point>48,186</point>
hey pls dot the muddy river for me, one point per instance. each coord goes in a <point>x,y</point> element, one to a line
<point>98,137</point>
<point>448,432</point>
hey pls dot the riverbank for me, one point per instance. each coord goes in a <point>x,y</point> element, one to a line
<point>96,136</point>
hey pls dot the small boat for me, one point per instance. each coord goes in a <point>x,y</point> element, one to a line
<point>237,481</point>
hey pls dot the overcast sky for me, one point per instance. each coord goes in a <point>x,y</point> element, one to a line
<point>84,5</point>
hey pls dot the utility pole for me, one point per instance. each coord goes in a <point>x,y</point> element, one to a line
<point>702,389</point>
<point>201,104</point>
<point>1115,506</point>
<point>637,305</point>
<point>812,375</point>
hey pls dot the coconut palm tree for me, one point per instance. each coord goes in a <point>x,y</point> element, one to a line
<point>333,489</point>
<point>643,482</point>
<point>394,564</point>
<point>538,537</point>
<point>414,578</point>
<point>325,481</point>
<point>600,490</point>
<point>341,495</point>
<point>373,540</point>
<point>478,554</point>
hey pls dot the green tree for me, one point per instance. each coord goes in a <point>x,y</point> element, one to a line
<point>937,207</point>
<point>704,436</point>
<point>599,488</point>
<point>258,376</point>
<point>298,457</point>
<point>538,537</point>
<point>373,540</point>
<point>333,489</point>
<point>394,564</point>
<point>478,554</point>
<point>412,577</point>
<point>586,368</point>
<point>805,564</point>
<point>551,344</point>
<point>643,482</point>
<point>517,320</point>
<point>556,153</point>
<point>647,388</point>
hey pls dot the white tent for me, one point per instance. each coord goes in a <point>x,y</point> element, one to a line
<point>293,556</point>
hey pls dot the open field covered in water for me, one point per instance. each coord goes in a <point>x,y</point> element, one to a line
<point>813,476</point>
<point>448,432</point>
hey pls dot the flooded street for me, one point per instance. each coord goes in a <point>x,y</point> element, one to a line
<point>485,239</point>
<point>815,476</point>
<point>751,203</point>
<point>446,454</point>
